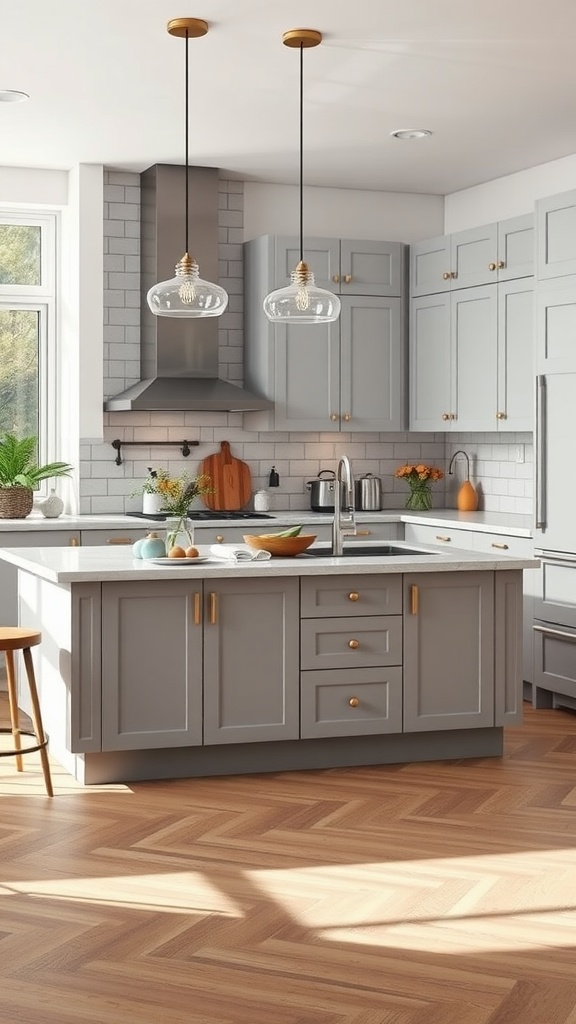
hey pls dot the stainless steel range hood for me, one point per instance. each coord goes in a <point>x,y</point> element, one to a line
<point>179,357</point>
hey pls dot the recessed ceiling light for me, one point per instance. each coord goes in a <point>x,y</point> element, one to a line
<point>13,96</point>
<point>411,133</point>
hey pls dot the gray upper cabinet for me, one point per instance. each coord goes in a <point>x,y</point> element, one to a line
<point>451,613</point>
<point>494,252</point>
<point>556,235</point>
<point>556,326</point>
<point>348,375</point>
<point>471,357</point>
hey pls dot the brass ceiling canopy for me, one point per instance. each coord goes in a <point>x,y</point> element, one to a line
<point>305,37</point>
<point>193,27</point>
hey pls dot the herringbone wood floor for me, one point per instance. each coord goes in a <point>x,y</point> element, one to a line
<point>439,893</point>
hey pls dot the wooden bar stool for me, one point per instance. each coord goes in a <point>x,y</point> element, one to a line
<point>15,638</point>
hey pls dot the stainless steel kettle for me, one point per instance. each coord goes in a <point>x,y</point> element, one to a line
<point>369,493</point>
<point>322,491</point>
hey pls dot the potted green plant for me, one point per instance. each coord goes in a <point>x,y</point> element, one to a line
<point>20,475</point>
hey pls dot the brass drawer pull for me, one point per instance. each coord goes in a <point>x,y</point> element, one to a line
<point>445,540</point>
<point>213,608</point>
<point>414,599</point>
<point>353,645</point>
<point>119,540</point>
<point>219,538</point>
<point>353,702</point>
<point>196,609</point>
<point>353,595</point>
<point>74,542</point>
<point>347,278</point>
<point>363,533</point>
<point>504,547</point>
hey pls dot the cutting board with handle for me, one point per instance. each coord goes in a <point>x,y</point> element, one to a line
<point>231,480</point>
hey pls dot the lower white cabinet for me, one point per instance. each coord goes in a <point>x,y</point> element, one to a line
<point>185,664</point>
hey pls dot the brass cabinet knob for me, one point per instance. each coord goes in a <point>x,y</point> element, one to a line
<point>219,538</point>
<point>74,542</point>
<point>453,275</point>
<point>447,275</point>
<point>346,417</point>
<point>334,417</point>
<point>445,415</point>
<point>353,595</point>
<point>336,278</point>
<point>500,415</point>
<point>347,278</point>
<point>353,645</point>
<point>500,265</point>
<point>353,702</point>
<point>443,539</point>
<point>491,266</point>
<point>453,416</point>
<point>502,547</point>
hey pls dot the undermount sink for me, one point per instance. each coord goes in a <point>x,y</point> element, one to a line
<point>356,550</point>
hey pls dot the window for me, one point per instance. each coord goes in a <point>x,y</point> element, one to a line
<point>27,326</point>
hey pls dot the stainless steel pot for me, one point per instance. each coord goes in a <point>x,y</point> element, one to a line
<point>322,491</point>
<point>369,493</point>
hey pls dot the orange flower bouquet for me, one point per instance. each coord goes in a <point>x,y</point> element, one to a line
<point>419,478</point>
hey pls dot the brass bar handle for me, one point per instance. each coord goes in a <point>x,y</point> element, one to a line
<point>353,645</point>
<point>119,540</point>
<point>213,608</point>
<point>445,540</point>
<point>197,609</point>
<point>354,702</point>
<point>336,278</point>
<point>353,595</point>
<point>503,547</point>
<point>74,542</point>
<point>414,599</point>
<point>363,533</point>
<point>347,278</point>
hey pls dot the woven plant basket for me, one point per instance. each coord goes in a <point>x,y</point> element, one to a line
<point>15,502</point>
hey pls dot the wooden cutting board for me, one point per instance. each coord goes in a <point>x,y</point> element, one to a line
<point>231,480</point>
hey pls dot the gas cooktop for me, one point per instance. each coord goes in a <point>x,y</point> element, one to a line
<point>200,514</point>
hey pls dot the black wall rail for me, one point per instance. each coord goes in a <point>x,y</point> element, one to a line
<point>184,446</point>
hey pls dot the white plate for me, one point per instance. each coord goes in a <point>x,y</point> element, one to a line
<point>177,561</point>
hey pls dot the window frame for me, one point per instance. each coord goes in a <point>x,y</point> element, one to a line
<point>40,299</point>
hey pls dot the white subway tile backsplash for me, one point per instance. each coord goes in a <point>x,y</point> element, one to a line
<point>503,484</point>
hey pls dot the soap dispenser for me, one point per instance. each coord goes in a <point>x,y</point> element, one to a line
<point>467,500</point>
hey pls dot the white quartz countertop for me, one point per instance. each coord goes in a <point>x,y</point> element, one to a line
<point>487,522</point>
<point>64,565</point>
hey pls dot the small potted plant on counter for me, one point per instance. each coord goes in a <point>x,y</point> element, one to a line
<point>20,475</point>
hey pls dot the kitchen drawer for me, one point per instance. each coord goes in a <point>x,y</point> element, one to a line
<point>351,642</point>
<point>439,536</point>
<point>500,544</point>
<point>350,595</point>
<point>357,702</point>
<point>127,536</point>
<point>228,534</point>
<point>374,531</point>
<point>555,660</point>
<point>555,592</point>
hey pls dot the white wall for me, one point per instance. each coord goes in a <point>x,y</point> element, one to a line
<point>40,187</point>
<point>341,213</point>
<point>507,197</point>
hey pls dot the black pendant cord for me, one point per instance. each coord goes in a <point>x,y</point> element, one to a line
<point>186,250</point>
<point>301,153</point>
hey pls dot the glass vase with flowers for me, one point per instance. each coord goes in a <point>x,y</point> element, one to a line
<point>178,493</point>
<point>419,479</point>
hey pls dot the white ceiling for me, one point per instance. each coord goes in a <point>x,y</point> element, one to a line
<point>495,81</point>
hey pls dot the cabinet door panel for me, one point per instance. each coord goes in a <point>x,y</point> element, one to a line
<point>555,660</point>
<point>556,235</point>
<point>321,254</point>
<point>556,326</point>
<point>429,262</point>
<point>471,254</point>
<point>151,666</point>
<point>375,268</point>
<point>371,364</point>
<point>358,702</point>
<point>516,355</point>
<point>508,660</point>
<point>307,377</point>
<point>475,364</point>
<point>430,394</point>
<point>448,651</point>
<point>516,245</point>
<point>251,669</point>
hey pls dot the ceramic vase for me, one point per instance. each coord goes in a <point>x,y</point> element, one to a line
<point>52,506</point>
<point>151,503</point>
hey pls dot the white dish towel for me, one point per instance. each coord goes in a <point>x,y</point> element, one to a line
<point>239,553</point>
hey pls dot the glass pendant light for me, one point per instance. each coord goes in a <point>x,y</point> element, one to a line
<point>187,295</point>
<point>302,302</point>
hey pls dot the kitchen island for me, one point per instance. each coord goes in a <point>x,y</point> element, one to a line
<point>156,671</point>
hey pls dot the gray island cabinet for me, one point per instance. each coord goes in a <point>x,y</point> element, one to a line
<point>154,672</point>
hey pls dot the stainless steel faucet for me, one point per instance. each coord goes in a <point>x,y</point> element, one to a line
<point>343,524</point>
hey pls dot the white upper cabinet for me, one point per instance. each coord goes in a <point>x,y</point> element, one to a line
<point>495,252</point>
<point>556,235</point>
<point>348,375</point>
